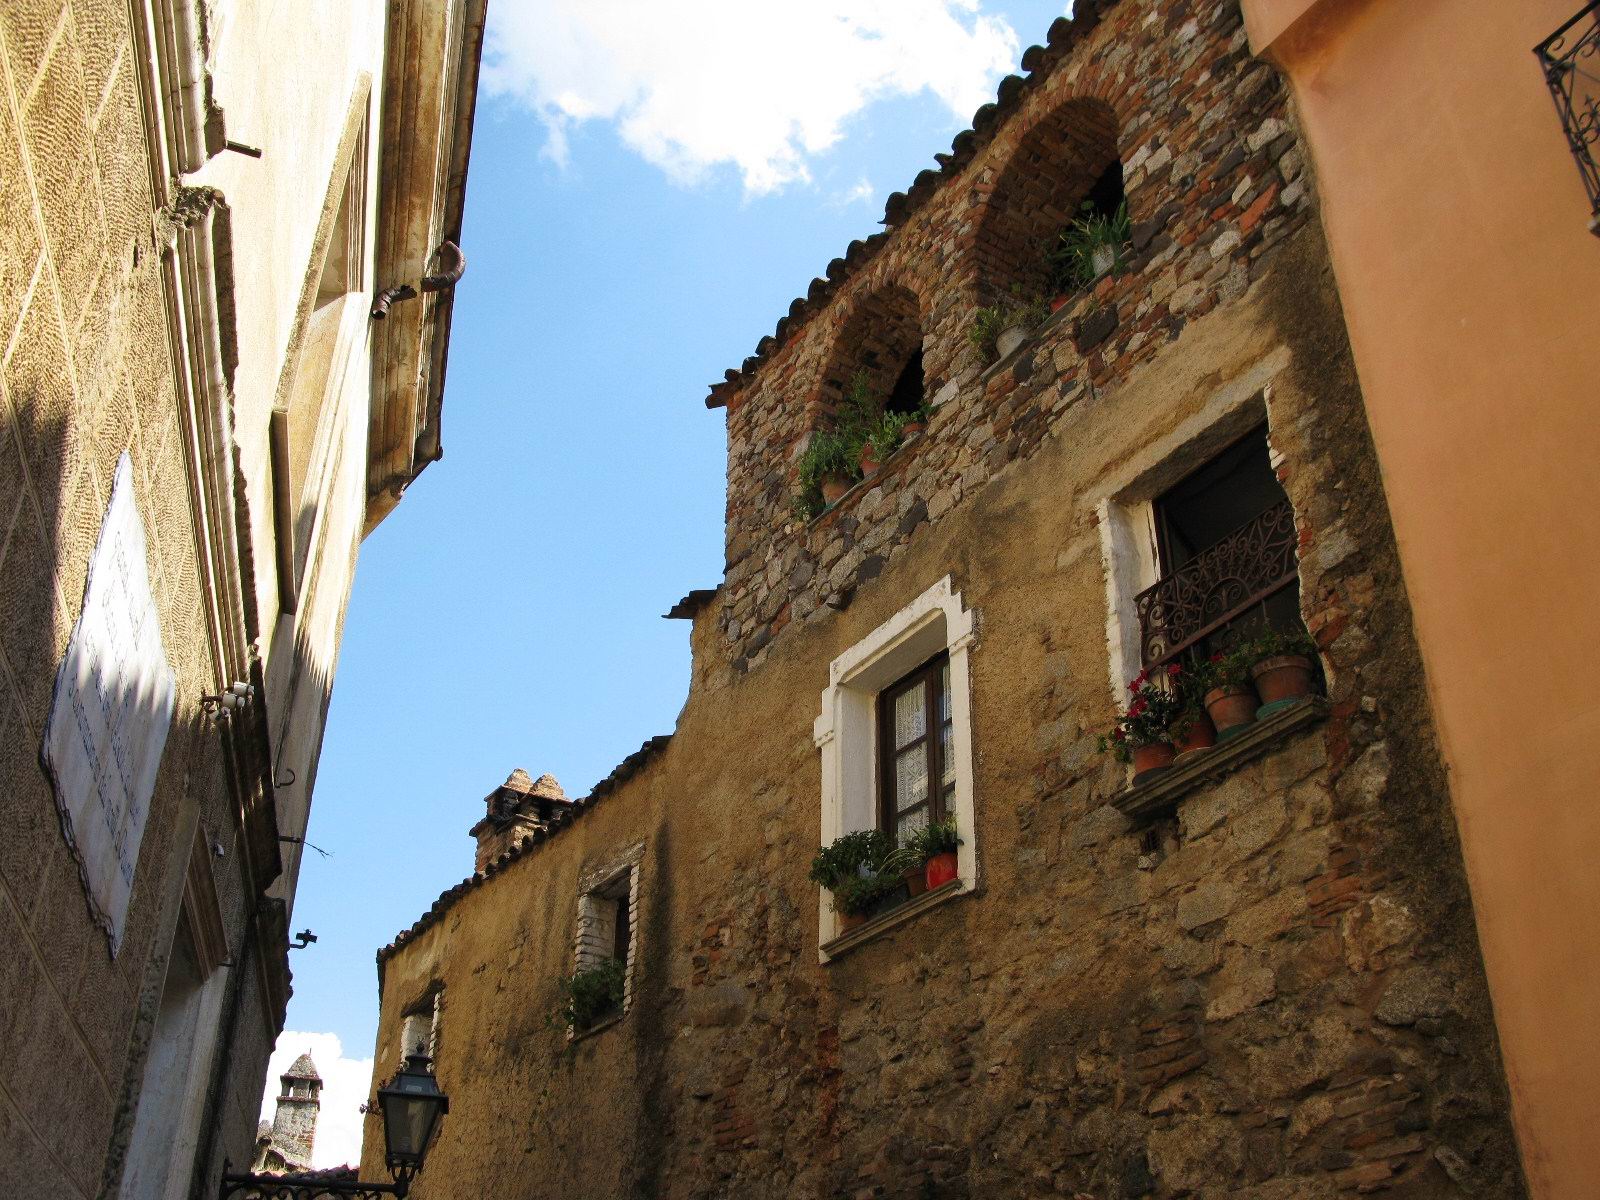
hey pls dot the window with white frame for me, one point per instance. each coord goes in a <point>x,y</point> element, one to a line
<point>1198,537</point>
<point>895,732</point>
<point>419,1026</point>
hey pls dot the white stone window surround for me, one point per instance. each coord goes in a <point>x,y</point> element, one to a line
<point>600,892</point>
<point>846,729</point>
<point>1126,509</point>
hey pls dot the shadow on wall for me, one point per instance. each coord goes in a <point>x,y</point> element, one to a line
<point>72,1005</point>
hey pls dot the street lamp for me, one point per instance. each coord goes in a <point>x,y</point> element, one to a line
<point>411,1103</point>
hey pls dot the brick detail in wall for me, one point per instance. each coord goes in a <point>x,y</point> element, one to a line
<point>1215,179</point>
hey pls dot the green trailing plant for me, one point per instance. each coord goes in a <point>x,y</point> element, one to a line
<point>836,450</point>
<point>934,839</point>
<point>1091,234</point>
<point>860,894</point>
<point>849,855</point>
<point>591,993</point>
<point>1152,708</point>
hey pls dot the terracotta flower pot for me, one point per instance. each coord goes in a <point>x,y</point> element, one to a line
<point>1059,303</point>
<point>1282,677</point>
<point>912,428</point>
<point>1152,757</point>
<point>941,869</point>
<point>1231,706</point>
<point>850,920</point>
<point>833,487</point>
<point>869,460</point>
<point>916,880</point>
<point>1201,734</point>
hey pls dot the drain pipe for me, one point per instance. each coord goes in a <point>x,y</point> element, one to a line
<point>455,266</point>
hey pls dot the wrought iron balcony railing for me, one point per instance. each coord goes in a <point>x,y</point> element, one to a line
<point>1220,583</point>
<point>1570,58</point>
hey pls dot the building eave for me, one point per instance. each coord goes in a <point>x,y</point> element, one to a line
<point>433,50</point>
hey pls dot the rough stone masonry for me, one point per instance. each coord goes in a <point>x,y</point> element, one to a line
<point>1270,990</point>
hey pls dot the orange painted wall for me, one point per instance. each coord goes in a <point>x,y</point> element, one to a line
<point>1471,287</point>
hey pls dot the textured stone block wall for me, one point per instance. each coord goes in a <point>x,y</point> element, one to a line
<point>84,376</point>
<point>1214,180</point>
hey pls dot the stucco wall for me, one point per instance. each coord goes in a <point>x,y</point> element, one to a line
<point>86,373</point>
<point>1276,994</point>
<point>1458,230</point>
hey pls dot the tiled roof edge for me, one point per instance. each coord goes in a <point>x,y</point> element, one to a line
<point>1037,64</point>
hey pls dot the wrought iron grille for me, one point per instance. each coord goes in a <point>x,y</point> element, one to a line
<point>1570,58</point>
<point>1218,584</point>
<point>304,1187</point>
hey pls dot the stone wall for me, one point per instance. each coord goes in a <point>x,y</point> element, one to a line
<point>1214,181</point>
<point>86,375</point>
<point>1273,992</point>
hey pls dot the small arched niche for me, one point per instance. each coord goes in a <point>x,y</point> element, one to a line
<point>1066,162</point>
<point>881,343</point>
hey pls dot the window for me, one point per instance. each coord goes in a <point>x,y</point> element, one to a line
<point>608,919</point>
<point>895,732</point>
<point>1225,548</point>
<point>917,777</point>
<point>419,1027</point>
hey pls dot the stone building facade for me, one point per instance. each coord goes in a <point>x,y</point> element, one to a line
<point>199,420</point>
<point>1257,976</point>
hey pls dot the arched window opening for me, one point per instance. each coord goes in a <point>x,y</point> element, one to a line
<point>872,389</point>
<point>1057,219</point>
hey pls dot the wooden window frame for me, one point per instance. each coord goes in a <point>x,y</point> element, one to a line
<point>930,677</point>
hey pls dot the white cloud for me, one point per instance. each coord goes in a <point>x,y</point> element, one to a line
<point>861,193</point>
<point>760,85</point>
<point>346,1086</point>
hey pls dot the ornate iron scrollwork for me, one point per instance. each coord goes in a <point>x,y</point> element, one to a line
<point>304,1187</point>
<point>1216,585</point>
<point>1570,58</point>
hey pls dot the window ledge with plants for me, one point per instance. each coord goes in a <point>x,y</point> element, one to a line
<point>877,886</point>
<point>1188,727</point>
<point>593,999</point>
<point>1080,269</point>
<point>842,460</point>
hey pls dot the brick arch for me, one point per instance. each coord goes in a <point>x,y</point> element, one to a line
<point>880,334</point>
<point>1036,192</point>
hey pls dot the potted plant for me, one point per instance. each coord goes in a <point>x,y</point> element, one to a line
<point>1223,681</point>
<point>859,868</point>
<point>916,422</point>
<point>1192,728</point>
<point>592,993</point>
<point>999,329</point>
<point>1282,665</point>
<point>935,844</point>
<point>1091,247</point>
<point>826,469</point>
<point>1141,734</point>
<point>882,438</point>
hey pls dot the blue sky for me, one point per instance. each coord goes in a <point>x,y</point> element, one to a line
<point>635,224</point>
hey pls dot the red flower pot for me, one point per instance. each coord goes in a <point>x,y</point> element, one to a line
<point>1060,302</point>
<point>1201,734</point>
<point>869,460</point>
<point>1149,758</point>
<point>833,487</point>
<point>1282,677</point>
<point>850,920</point>
<point>1231,706</point>
<point>912,428</point>
<point>941,869</point>
<point>916,880</point>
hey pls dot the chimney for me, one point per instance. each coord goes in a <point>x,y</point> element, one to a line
<point>513,810</point>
